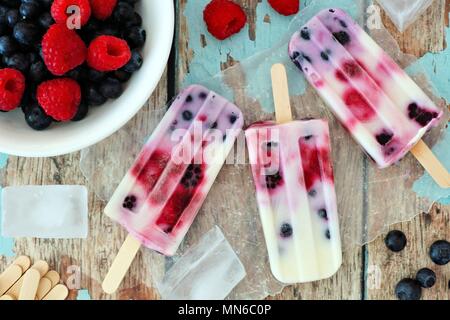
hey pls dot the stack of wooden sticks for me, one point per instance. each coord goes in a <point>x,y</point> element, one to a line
<point>23,281</point>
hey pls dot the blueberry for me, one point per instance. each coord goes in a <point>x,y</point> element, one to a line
<point>203,95</point>
<point>286,230</point>
<point>328,234</point>
<point>19,61</point>
<point>384,138</point>
<point>46,20</point>
<point>26,33</point>
<point>312,193</point>
<point>324,56</point>
<point>135,36</point>
<point>426,278</point>
<point>408,289</point>
<point>307,58</point>
<point>36,117</point>
<point>82,112</point>
<point>111,88</point>
<point>425,118</point>
<point>413,110</point>
<point>233,118</point>
<point>187,115</point>
<point>189,98</point>
<point>95,76</point>
<point>304,33</point>
<point>78,74</point>
<point>136,21</point>
<point>440,252</point>
<point>135,62</point>
<point>38,72</point>
<point>93,96</point>
<point>395,241</point>
<point>123,13</point>
<point>323,214</point>
<point>30,9</point>
<point>121,75</point>
<point>342,37</point>
<point>7,46</point>
<point>343,23</point>
<point>12,17</point>
<point>214,125</point>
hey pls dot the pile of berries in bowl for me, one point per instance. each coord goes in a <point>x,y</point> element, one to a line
<point>61,57</point>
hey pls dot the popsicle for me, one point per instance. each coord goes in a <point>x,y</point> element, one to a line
<point>163,191</point>
<point>375,100</point>
<point>292,171</point>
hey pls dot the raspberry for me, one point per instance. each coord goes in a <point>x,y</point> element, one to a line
<point>285,7</point>
<point>103,9</point>
<point>60,98</point>
<point>224,18</point>
<point>59,11</point>
<point>62,49</point>
<point>12,87</point>
<point>108,53</point>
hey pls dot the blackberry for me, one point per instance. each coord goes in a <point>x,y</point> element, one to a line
<point>384,138</point>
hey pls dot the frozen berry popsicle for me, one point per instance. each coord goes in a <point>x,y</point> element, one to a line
<point>293,175</point>
<point>163,191</point>
<point>292,171</point>
<point>161,194</point>
<point>376,101</point>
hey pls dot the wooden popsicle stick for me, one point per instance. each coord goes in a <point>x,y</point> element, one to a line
<point>10,276</point>
<point>6,297</point>
<point>53,276</point>
<point>280,88</point>
<point>431,164</point>
<point>121,264</point>
<point>30,285</point>
<point>40,266</point>
<point>45,285</point>
<point>24,262</point>
<point>59,292</point>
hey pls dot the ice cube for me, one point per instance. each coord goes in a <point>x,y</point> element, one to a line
<point>49,212</point>
<point>207,271</point>
<point>404,12</point>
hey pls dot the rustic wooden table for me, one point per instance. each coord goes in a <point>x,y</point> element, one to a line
<point>355,280</point>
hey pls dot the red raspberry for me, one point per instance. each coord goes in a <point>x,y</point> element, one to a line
<point>59,10</point>
<point>60,98</point>
<point>285,7</point>
<point>12,86</point>
<point>108,53</point>
<point>62,49</point>
<point>224,18</point>
<point>103,9</point>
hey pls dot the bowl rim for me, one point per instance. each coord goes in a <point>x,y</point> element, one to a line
<point>164,48</point>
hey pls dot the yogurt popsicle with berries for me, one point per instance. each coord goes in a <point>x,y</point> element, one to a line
<point>163,191</point>
<point>293,175</point>
<point>375,100</point>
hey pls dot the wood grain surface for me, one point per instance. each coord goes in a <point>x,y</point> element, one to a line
<point>368,272</point>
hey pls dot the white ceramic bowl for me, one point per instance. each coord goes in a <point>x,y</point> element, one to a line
<point>16,138</point>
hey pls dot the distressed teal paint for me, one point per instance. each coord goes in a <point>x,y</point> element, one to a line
<point>425,186</point>
<point>3,160</point>
<point>6,244</point>
<point>83,295</point>
<point>273,35</point>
